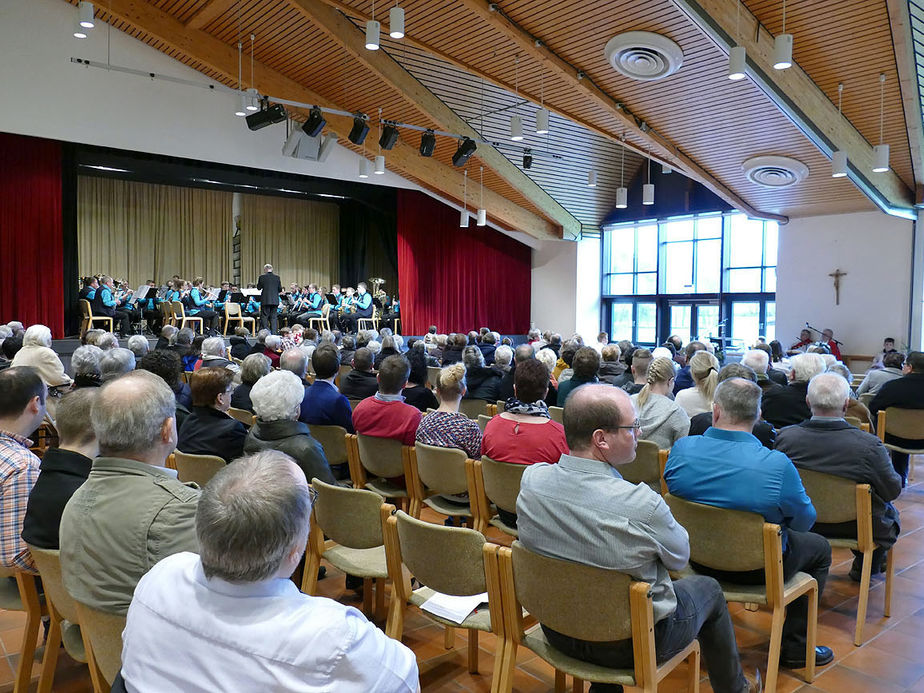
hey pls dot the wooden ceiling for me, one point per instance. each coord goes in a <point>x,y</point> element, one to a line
<point>461,63</point>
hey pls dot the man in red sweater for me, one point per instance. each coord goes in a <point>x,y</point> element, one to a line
<point>385,415</point>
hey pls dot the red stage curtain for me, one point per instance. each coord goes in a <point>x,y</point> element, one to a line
<point>458,279</point>
<point>31,245</point>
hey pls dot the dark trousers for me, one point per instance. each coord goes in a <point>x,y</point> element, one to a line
<point>209,319</point>
<point>269,318</point>
<point>303,318</point>
<point>701,613</point>
<point>120,318</point>
<point>154,319</point>
<point>900,463</point>
<point>848,530</point>
<point>806,552</point>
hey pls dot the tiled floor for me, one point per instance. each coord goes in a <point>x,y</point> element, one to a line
<point>891,660</point>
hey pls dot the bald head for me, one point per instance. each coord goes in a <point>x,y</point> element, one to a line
<point>133,417</point>
<point>294,360</point>
<point>522,353</point>
<point>591,412</point>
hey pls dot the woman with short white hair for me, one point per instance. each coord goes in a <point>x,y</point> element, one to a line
<point>277,401</point>
<point>85,366</point>
<point>138,345</point>
<point>108,341</point>
<point>503,356</point>
<point>215,355</point>
<point>36,353</point>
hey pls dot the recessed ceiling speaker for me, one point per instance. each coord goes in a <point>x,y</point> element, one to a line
<point>643,55</point>
<point>268,116</point>
<point>775,171</point>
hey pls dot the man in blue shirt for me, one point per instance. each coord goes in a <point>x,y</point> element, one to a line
<point>363,303</point>
<point>312,305</point>
<point>202,307</point>
<point>729,468</point>
<point>104,303</point>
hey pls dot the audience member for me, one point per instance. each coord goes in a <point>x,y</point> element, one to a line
<point>324,405</point>
<point>11,346</point>
<point>254,367</point>
<point>563,370</point>
<point>610,365</point>
<point>585,364</point>
<point>759,361</point>
<point>85,366</point>
<point>452,352</point>
<point>231,619</point>
<point>888,347</point>
<point>663,421</point>
<point>786,406</point>
<point>295,360</point>
<point>626,527</point>
<point>348,348</point>
<point>684,379</point>
<point>447,427</point>
<point>131,511</point>
<point>763,431</point>
<point>522,353</point>
<point>138,345</point>
<point>271,348</point>
<point>277,402</point>
<point>361,382</point>
<point>488,347</point>
<point>240,347</point>
<point>260,344</point>
<point>483,381</point>
<point>704,369</point>
<point>389,348</point>
<point>906,392</point>
<point>36,353</point>
<point>169,367</point>
<point>503,357</point>
<point>891,369</point>
<point>115,363</point>
<point>107,341</point>
<point>639,361</point>
<point>208,430</point>
<point>167,334</point>
<point>728,467</point>
<point>827,443</point>
<point>855,408</point>
<point>416,393</point>
<point>385,415</point>
<point>215,355</point>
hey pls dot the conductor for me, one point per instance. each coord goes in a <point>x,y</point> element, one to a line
<point>271,287</point>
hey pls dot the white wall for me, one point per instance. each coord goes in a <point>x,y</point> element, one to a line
<point>554,269</point>
<point>874,249</point>
<point>587,289</point>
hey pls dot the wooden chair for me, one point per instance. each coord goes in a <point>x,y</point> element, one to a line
<point>333,440</point>
<point>583,602</point>
<point>866,398</point>
<point>64,627</point>
<point>344,369</point>
<point>245,417</point>
<point>233,314</point>
<point>738,541</point>
<point>448,560</point>
<point>21,594</point>
<point>836,500</point>
<point>102,636</point>
<point>382,457</point>
<point>483,420</point>
<point>904,423</point>
<point>556,413</point>
<point>353,402</point>
<point>166,314</point>
<point>371,323</point>
<point>496,483</point>
<point>472,408</point>
<point>647,467</point>
<point>433,374</point>
<point>352,519</point>
<point>197,468</point>
<point>180,318</point>
<point>323,322</point>
<point>87,318</point>
<point>437,472</point>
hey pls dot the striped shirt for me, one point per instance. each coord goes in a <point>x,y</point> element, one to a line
<point>445,429</point>
<point>19,469</point>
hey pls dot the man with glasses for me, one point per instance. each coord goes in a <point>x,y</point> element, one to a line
<point>582,510</point>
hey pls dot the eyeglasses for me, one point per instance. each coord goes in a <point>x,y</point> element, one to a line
<point>636,425</point>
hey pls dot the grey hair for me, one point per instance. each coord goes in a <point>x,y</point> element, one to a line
<point>37,335</point>
<point>804,367</point>
<point>534,333</point>
<point>255,367</point>
<point>374,346</point>
<point>108,341</point>
<point>294,360</point>
<point>272,341</point>
<point>757,360</point>
<point>214,346</point>
<point>15,326</point>
<point>399,341</point>
<point>829,359</point>
<point>739,400</point>
<point>116,362</point>
<point>138,345</point>
<point>5,331</point>
<point>262,335</point>
<point>472,357</point>
<point>168,331</point>
<point>130,412</point>
<point>370,335</point>
<point>277,396</point>
<point>388,342</point>
<point>328,337</point>
<point>503,355</point>
<point>841,370</point>
<point>85,360</point>
<point>827,392</point>
<point>250,517</point>
<point>548,357</point>
<point>185,336</point>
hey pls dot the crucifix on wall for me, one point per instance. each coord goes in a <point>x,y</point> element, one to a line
<point>837,274</point>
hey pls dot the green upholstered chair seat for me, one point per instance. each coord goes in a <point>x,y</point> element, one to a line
<point>503,526</point>
<point>535,640</point>
<point>364,563</point>
<point>480,620</point>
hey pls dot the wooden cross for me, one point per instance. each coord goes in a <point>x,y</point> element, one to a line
<point>837,274</point>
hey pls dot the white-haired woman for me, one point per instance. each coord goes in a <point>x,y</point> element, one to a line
<point>215,355</point>
<point>36,353</point>
<point>85,366</point>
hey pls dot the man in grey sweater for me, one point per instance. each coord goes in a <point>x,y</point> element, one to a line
<point>892,368</point>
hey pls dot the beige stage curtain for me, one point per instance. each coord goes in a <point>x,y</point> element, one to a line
<point>299,238</point>
<point>140,231</point>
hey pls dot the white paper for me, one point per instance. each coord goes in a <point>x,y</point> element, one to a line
<point>141,292</point>
<point>452,608</point>
<point>251,292</point>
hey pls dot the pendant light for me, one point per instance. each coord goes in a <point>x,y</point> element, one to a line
<point>839,158</point>
<point>482,212</point>
<point>85,12</point>
<point>396,22</point>
<point>373,29</point>
<point>542,115</point>
<point>253,97</point>
<point>363,167</point>
<point>782,47</point>
<point>881,150</point>
<point>516,124</point>
<point>648,188</point>
<point>242,106</point>
<point>379,158</point>
<point>463,217</point>
<point>737,56</point>
<point>622,193</point>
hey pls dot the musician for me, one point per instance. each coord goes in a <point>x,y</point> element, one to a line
<point>88,291</point>
<point>345,307</point>
<point>225,294</point>
<point>338,297</point>
<point>149,307</point>
<point>800,347</point>
<point>271,287</point>
<point>201,306</point>
<point>827,336</point>
<point>391,308</point>
<point>104,303</point>
<point>363,308</point>
<point>313,302</point>
<point>174,290</point>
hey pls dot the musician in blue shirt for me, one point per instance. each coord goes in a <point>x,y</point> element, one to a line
<point>313,303</point>
<point>88,291</point>
<point>105,303</point>
<point>363,303</point>
<point>202,307</point>
<point>150,307</point>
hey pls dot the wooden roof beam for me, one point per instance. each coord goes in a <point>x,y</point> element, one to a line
<point>800,99</point>
<point>212,9</point>
<point>204,48</point>
<point>900,23</point>
<point>341,30</point>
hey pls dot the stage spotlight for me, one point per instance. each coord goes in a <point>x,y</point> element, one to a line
<point>360,130</point>
<point>269,115</point>
<point>389,137</point>
<point>315,123</point>
<point>466,148</point>
<point>427,143</point>
<point>527,158</point>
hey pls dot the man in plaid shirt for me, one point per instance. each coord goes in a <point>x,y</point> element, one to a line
<point>22,408</point>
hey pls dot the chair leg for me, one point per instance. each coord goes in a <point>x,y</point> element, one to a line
<point>864,596</point>
<point>472,651</point>
<point>27,653</point>
<point>310,576</point>
<point>367,597</point>
<point>693,671</point>
<point>394,626</point>
<point>449,637</point>
<point>499,675</point>
<point>559,681</point>
<point>380,599</point>
<point>890,573</point>
<point>50,658</point>
<point>811,634</point>
<point>100,685</point>
<point>776,641</point>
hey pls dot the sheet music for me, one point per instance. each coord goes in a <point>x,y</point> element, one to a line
<point>452,608</point>
<point>162,292</point>
<point>212,294</point>
<point>251,292</point>
<point>141,292</point>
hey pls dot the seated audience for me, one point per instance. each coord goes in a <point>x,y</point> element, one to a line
<point>906,392</point>
<point>131,511</point>
<point>786,406</point>
<point>277,401</point>
<point>855,408</point>
<point>522,353</point>
<point>361,382</point>
<point>85,365</point>
<point>231,619</point>
<point>183,347</point>
<point>168,366</point>
<point>888,347</point>
<point>662,419</point>
<point>639,361</point>
<point>208,430</point>
<point>240,347</point>
<point>447,427</point>
<point>827,443</point>
<point>759,361</point>
<point>347,349</point>
<point>610,365</point>
<point>728,467</point>
<point>260,344</point>
<point>777,375</point>
<point>138,345</point>
<point>22,407</point>
<point>295,360</point>
<point>416,393</point>
<point>92,336</point>
<point>11,346</point>
<point>704,369</point>
<point>483,381</point>
<point>684,379</point>
<point>385,415</point>
<point>488,347</point>
<point>36,353</point>
<point>503,357</point>
<point>107,341</point>
<point>763,431</point>
<point>116,363</point>
<point>215,355</point>
<point>585,364</point>
<point>891,369</point>
<point>627,527</point>
<point>452,352</point>
<point>63,470</point>
<point>389,348</point>
<point>563,370</point>
<point>167,334</point>
<point>324,405</point>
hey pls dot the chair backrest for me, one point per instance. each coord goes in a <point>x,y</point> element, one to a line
<point>104,632</point>
<point>245,417</point>
<point>197,468</point>
<point>500,405</point>
<point>10,599</point>
<point>502,482</point>
<point>483,421</point>
<point>177,308</point>
<point>232,309</point>
<point>381,456</point>
<point>445,559</point>
<point>332,439</point>
<point>433,374</point>
<point>442,469</point>
<point>354,401</point>
<point>48,562</point>
<point>557,413</point>
<point>473,407</point>
<point>349,516</point>
<point>905,423</point>
<point>853,421</point>
<point>645,468</point>
<point>866,398</point>
<point>325,310</point>
<point>86,310</point>
<point>834,497</point>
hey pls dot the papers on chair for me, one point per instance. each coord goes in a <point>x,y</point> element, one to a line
<point>452,608</point>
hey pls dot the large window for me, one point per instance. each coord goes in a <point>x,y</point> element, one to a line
<point>709,276</point>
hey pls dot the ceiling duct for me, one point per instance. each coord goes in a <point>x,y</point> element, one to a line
<point>775,171</point>
<point>643,55</point>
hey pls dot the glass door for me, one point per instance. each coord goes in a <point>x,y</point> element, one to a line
<point>693,320</point>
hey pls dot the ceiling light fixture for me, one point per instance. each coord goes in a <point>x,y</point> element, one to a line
<point>527,158</point>
<point>466,148</point>
<point>85,13</point>
<point>315,123</point>
<point>373,29</point>
<point>782,47</point>
<point>542,115</point>
<point>881,150</point>
<point>622,193</point>
<point>360,129</point>
<point>737,56</point>
<point>379,159</point>
<point>427,143</point>
<point>363,167</point>
<point>482,212</point>
<point>80,32</point>
<point>591,179</point>
<point>516,128</point>
<point>839,158</point>
<point>396,22</point>
<point>464,217</point>
<point>516,124</point>
<point>242,108</point>
<point>648,188</point>
<point>666,169</point>
<point>268,115</point>
<point>253,95</point>
<point>389,137</point>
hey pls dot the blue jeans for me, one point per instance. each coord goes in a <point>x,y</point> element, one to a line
<point>701,613</point>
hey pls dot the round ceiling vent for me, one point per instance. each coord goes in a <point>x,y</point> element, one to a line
<point>643,55</point>
<point>775,171</point>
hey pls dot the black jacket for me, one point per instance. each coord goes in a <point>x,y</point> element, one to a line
<point>420,396</point>
<point>483,383</point>
<point>63,472</point>
<point>271,286</point>
<point>359,384</point>
<point>610,371</point>
<point>240,347</point>
<point>382,355</point>
<point>505,386</point>
<point>207,431</point>
<point>294,439</point>
<point>906,392</point>
<point>488,351</point>
<point>240,398</point>
<point>763,431</point>
<point>786,406</point>
<point>452,354</point>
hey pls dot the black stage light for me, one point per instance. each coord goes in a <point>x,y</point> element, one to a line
<point>360,130</point>
<point>466,148</point>
<point>389,137</point>
<point>315,123</point>
<point>527,158</point>
<point>268,115</point>
<point>427,143</point>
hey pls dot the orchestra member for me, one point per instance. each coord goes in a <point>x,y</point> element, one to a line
<point>105,303</point>
<point>90,285</point>
<point>363,304</point>
<point>202,307</point>
<point>271,287</point>
<point>827,336</point>
<point>800,347</point>
<point>313,305</point>
<point>149,307</point>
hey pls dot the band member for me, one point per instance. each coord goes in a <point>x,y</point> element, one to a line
<point>338,297</point>
<point>202,307</point>
<point>805,341</point>
<point>313,304</point>
<point>90,285</point>
<point>391,312</point>
<point>363,308</point>
<point>271,287</point>
<point>225,293</point>
<point>105,303</point>
<point>149,307</point>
